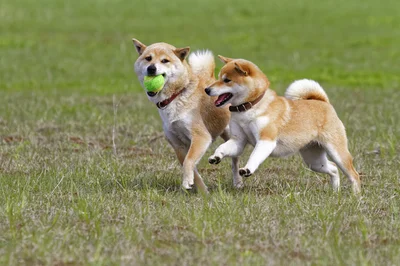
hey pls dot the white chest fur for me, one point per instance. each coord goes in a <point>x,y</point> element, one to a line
<point>250,124</point>
<point>177,122</point>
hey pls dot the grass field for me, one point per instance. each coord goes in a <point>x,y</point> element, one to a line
<point>66,79</point>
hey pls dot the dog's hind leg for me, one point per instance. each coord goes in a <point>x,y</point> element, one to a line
<point>237,179</point>
<point>199,183</point>
<point>315,158</point>
<point>339,153</point>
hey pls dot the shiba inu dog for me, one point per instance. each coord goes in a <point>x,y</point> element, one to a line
<point>190,119</point>
<point>303,121</point>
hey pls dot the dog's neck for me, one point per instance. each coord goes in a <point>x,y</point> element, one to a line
<point>247,105</point>
<point>163,104</point>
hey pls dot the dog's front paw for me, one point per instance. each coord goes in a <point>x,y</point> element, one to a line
<point>187,185</point>
<point>214,160</point>
<point>245,172</point>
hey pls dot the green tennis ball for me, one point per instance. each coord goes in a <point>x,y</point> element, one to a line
<point>153,83</point>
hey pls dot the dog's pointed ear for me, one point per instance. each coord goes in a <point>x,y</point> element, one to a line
<point>240,70</point>
<point>181,53</point>
<point>140,47</point>
<point>224,59</point>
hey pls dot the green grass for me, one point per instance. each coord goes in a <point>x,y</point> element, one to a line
<point>66,199</point>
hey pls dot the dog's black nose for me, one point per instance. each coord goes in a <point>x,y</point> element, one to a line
<point>151,70</point>
<point>151,93</point>
<point>208,91</point>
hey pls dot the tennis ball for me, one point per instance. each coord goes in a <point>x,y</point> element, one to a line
<point>153,83</point>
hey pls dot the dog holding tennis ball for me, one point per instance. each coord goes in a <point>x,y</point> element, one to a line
<point>153,83</point>
<point>191,121</point>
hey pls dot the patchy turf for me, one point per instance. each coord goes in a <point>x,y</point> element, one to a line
<point>67,199</point>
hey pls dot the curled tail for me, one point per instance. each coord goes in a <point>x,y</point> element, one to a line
<point>306,89</point>
<point>202,63</point>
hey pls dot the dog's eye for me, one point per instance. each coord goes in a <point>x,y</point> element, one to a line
<point>148,58</point>
<point>226,80</point>
<point>164,61</point>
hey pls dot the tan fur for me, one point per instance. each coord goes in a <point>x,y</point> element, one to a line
<point>191,121</point>
<point>278,126</point>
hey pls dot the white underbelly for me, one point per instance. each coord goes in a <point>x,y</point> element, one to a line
<point>284,148</point>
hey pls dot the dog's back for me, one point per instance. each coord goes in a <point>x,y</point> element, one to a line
<point>311,116</point>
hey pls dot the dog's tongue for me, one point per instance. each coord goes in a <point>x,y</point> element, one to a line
<point>221,98</point>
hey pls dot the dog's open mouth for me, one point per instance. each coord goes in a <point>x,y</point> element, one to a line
<point>223,98</point>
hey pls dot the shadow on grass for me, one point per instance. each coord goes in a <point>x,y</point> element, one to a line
<point>274,180</point>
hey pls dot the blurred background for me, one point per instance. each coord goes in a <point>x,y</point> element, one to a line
<point>86,45</point>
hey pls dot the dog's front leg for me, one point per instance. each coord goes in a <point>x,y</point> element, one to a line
<point>198,181</point>
<point>181,151</point>
<point>232,148</point>
<point>198,147</point>
<point>261,152</point>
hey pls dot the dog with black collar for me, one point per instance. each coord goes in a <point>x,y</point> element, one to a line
<point>303,121</point>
